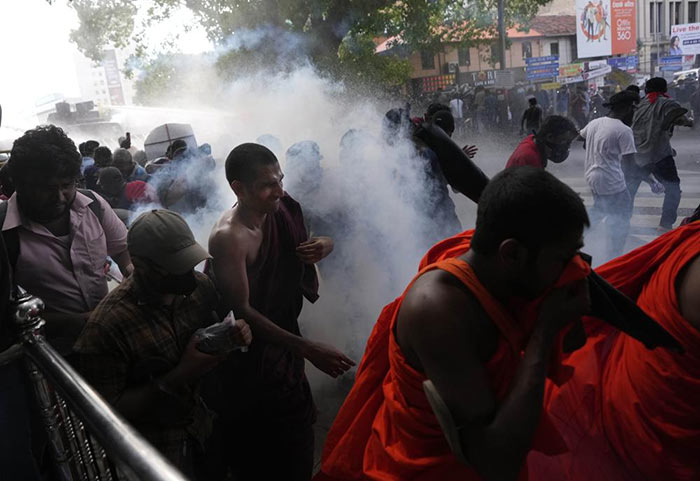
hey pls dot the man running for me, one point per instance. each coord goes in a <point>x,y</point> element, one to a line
<point>608,142</point>
<point>532,118</point>
<point>653,126</point>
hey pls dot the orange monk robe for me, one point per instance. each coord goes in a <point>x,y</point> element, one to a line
<point>386,429</point>
<point>630,413</point>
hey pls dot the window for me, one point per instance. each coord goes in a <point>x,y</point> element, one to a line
<point>675,12</point>
<point>463,57</point>
<point>656,17</point>
<point>427,60</point>
<point>692,12</point>
<point>554,48</point>
<point>527,50</point>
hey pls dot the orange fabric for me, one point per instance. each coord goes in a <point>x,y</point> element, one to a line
<point>628,412</point>
<point>385,429</point>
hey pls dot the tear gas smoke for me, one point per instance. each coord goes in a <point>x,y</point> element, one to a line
<point>370,196</point>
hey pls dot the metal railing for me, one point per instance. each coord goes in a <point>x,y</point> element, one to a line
<point>87,439</point>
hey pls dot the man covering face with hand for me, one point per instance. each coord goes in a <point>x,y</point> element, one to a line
<point>139,350</point>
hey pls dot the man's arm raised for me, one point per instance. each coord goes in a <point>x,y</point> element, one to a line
<point>230,272</point>
<point>437,324</point>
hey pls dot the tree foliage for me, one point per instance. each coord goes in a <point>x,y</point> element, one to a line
<point>323,23</point>
<point>336,35</point>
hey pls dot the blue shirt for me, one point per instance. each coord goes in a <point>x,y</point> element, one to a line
<point>139,173</point>
<point>87,162</point>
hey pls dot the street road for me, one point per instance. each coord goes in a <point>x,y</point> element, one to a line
<point>494,151</point>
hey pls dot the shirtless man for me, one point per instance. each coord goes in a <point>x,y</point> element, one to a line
<point>454,352</point>
<point>263,265</point>
<point>470,326</point>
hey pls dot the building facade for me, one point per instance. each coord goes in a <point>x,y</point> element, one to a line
<point>103,82</point>
<point>547,35</point>
<point>654,22</point>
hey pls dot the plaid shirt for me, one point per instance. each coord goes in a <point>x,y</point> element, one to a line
<point>130,341</point>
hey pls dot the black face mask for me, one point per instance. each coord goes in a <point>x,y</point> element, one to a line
<point>180,284</point>
<point>557,153</point>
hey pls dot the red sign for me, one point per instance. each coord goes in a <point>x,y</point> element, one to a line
<point>606,27</point>
<point>431,84</point>
<point>624,27</point>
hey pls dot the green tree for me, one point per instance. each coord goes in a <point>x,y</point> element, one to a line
<point>323,24</point>
<point>335,35</point>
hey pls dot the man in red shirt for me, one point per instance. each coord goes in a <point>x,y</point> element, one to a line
<point>551,142</point>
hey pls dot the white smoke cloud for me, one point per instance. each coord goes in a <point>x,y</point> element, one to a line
<point>372,200</point>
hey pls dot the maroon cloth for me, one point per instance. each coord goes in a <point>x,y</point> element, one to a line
<point>279,280</point>
<point>265,391</point>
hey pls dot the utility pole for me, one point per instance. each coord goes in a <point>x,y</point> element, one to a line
<point>501,35</point>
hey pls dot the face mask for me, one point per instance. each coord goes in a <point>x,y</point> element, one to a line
<point>180,284</point>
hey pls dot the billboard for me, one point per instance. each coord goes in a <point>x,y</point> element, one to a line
<point>114,83</point>
<point>582,71</point>
<point>685,39</point>
<point>605,27</point>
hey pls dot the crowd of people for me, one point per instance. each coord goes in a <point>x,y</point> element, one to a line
<point>475,372</point>
<point>491,109</point>
<point>628,146</point>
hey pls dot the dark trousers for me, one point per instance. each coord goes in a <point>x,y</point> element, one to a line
<point>17,463</point>
<point>264,429</point>
<point>616,210</point>
<point>665,171</point>
<point>253,451</point>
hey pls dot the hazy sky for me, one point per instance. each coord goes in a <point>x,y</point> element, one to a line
<point>36,56</point>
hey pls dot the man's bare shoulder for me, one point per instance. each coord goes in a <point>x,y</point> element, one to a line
<point>444,298</point>
<point>440,306</point>
<point>227,234</point>
<point>440,290</point>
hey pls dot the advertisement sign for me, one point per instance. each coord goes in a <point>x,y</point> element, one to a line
<point>587,74</point>
<point>671,60</point>
<point>685,39</point>
<point>542,67</point>
<point>482,79</point>
<point>628,64</point>
<point>550,86</point>
<point>114,83</point>
<point>571,69</point>
<point>674,63</point>
<point>547,59</point>
<point>435,82</point>
<point>504,79</point>
<point>605,27</point>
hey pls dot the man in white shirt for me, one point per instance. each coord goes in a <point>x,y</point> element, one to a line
<point>608,140</point>
<point>457,109</point>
